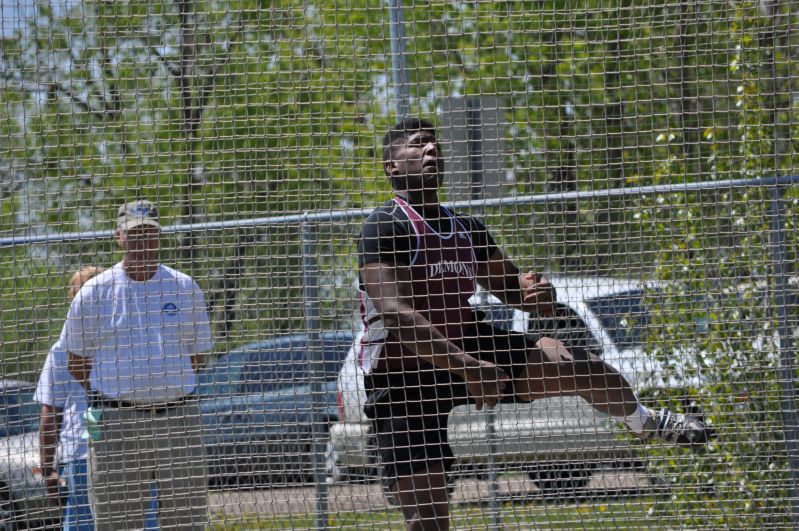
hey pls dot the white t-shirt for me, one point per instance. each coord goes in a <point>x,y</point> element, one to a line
<point>140,335</point>
<point>57,388</point>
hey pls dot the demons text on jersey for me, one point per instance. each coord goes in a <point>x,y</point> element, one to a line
<point>461,269</point>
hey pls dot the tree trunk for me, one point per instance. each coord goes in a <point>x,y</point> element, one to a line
<point>563,178</point>
<point>191,115</point>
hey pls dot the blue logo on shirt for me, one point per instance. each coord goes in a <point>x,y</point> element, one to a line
<point>170,308</point>
<point>140,210</point>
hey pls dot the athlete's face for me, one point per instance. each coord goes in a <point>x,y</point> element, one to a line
<point>417,163</point>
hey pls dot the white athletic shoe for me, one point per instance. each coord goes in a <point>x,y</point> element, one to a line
<point>677,428</point>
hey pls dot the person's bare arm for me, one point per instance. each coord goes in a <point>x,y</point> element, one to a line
<point>50,418</point>
<point>529,291</point>
<point>195,362</point>
<point>388,288</point>
<point>80,368</point>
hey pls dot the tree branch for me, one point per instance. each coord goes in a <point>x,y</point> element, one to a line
<point>80,103</point>
<point>170,67</point>
<point>207,87</point>
<point>188,59</point>
<point>114,104</point>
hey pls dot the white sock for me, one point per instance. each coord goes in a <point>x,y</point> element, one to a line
<point>636,420</point>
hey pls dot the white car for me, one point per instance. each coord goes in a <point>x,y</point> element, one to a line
<point>24,503</point>
<point>558,441</point>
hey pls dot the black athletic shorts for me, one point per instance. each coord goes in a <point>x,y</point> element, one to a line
<point>410,409</point>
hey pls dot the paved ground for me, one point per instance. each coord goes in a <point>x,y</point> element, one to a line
<point>369,497</point>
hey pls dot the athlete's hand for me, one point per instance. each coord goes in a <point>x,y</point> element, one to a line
<point>485,383</point>
<point>538,295</point>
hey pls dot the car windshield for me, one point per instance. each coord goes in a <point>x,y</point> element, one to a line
<point>623,316</point>
<point>18,412</point>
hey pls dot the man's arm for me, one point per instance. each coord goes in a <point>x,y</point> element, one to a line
<point>388,288</point>
<point>81,369</point>
<point>197,330</point>
<point>50,418</point>
<point>529,291</point>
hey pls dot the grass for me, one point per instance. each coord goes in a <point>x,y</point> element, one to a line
<point>616,514</point>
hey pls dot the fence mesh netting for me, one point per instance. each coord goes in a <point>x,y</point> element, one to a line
<point>641,155</point>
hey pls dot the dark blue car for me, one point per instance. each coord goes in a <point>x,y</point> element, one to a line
<point>259,404</point>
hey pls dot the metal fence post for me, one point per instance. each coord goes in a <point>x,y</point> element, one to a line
<point>474,125</point>
<point>310,273</point>
<point>783,299</point>
<point>398,59</point>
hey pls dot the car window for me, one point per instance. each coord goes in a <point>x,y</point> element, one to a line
<point>19,413</point>
<point>272,365</point>
<point>567,326</point>
<point>272,370</point>
<point>223,376</point>
<point>623,316</point>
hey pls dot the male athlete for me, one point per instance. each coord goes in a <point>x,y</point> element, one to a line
<point>425,351</point>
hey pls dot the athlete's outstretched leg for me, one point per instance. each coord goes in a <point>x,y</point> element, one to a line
<point>554,370</point>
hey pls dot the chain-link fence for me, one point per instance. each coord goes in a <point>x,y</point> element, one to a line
<point>632,152</point>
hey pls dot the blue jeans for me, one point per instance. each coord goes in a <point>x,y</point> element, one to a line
<point>151,523</point>
<point>78,512</point>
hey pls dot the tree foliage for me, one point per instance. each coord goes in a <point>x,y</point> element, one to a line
<point>225,110</point>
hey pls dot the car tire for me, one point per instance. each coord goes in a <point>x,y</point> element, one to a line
<point>561,481</point>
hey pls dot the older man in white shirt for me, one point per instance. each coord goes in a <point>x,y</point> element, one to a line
<point>135,335</point>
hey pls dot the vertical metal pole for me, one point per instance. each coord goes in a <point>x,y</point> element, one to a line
<point>474,134</point>
<point>399,61</point>
<point>783,300</point>
<point>310,274</point>
<point>493,487</point>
